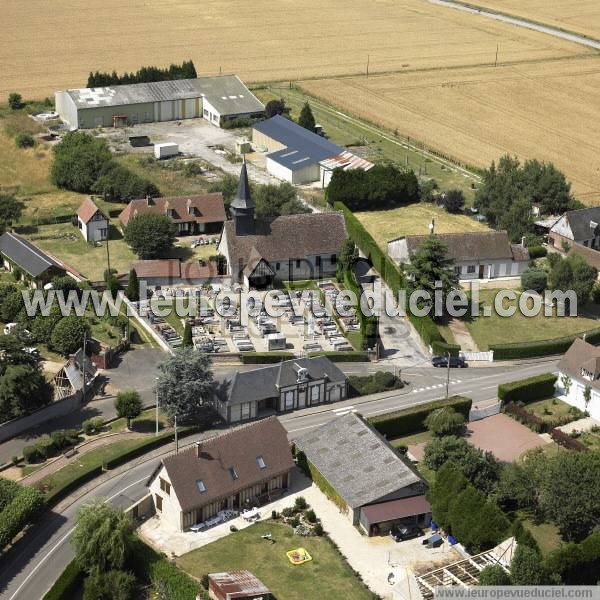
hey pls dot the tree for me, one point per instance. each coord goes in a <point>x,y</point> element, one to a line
<point>24,140</point>
<point>440,450</point>
<point>187,334</point>
<point>444,421</point>
<point>493,575</point>
<point>449,482</point>
<point>453,201</point>
<point>573,273</point>
<point>517,220</point>
<point>23,389</point>
<point>527,568</point>
<point>68,333</point>
<point>275,200</point>
<point>11,306</point>
<point>150,235</point>
<point>306,118</point>
<point>15,101</point>
<point>112,585</point>
<point>103,537</point>
<point>534,279</point>
<point>227,186</point>
<point>185,385</point>
<point>129,405</point>
<point>275,107</point>
<point>79,159</point>
<point>430,266</point>
<point>116,183</point>
<point>346,258</point>
<point>566,381</point>
<point>516,489</point>
<point>132,291</point>
<point>587,396</point>
<point>428,190</point>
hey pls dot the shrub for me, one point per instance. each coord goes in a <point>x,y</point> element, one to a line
<point>310,515</point>
<point>46,446</point>
<point>287,512</point>
<point>444,421</point>
<point>14,460</point>
<point>15,101</point>
<point>318,529</point>
<point>528,390</point>
<point>300,503</point>
<point>493,575</point>
<point>252,358</point>
<point>537,252</point>
<point>532,421</point>
<point>564,439</point>
<point>204,581</point>
<point>93,425</point>
<point>274,515</point>
<point>67,335</point>
<point>534,279</point>
<point>403,422</point>
<point>382,381</point>
<point>31,454</point>
<point>294,522</point>
<point>24,140</point>
<point>21,511</point>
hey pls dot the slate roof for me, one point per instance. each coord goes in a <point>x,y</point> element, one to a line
<point>287,237</point>
<point>27,255</point>
<point>243,197</point>
<point>480,245</point>
<point>87,210</point>
<point>579,221</point>
<point>263,383</point>
<point>226,93</point>
<point>303,147</point>
<point>360,465</point>
<point>238,448</point>
<point>581,354</point>
<point>209,208</point>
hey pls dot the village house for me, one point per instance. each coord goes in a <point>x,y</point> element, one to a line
<point>476,255</point>
<point>92,222</point>
<point>577,227</point>
<point>192,215</point>
<point>241,468</point>
<point>372,484</point>
<point>578,371</point>
<point>287,386</point>
<point>261,251</point>
<point>37,268</point>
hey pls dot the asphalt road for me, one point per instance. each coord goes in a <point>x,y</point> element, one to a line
<point>33,565</point>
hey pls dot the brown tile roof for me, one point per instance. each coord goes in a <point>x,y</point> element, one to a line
<point>476,245</point>
<point>172,267</point>
<point>238,448</point>
<point>580,354</point>
<point>87,210</point>
<point>234,584</point>
<point>209,208</point>
<point>287,237</point>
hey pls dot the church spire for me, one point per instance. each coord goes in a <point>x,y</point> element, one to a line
<point>243,197</point>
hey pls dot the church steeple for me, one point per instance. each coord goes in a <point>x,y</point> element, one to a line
<point>242,206</point>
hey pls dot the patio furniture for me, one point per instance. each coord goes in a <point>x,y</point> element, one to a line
<point>198,527</point>
<point>251,514</point>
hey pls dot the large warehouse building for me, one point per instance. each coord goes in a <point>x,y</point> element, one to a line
<point>300,156</point>
<point>217,99</point>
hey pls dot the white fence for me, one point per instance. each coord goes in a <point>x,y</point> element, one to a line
<point>476,414</point>
<point>478,356</point>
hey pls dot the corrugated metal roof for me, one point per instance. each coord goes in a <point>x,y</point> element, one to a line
<point>347,161</point>
<point>236,584</point>
<point>226,93</point>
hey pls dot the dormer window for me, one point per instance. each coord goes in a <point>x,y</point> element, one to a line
<point>233,473</point>
<point>261,462</point>
<point>200,485</point>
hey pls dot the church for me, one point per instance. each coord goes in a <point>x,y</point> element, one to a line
<point>262,251</point>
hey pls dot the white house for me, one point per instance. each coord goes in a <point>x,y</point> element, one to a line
<point>579,370</point>
<point>476,255</point>
<point>92,222</point>
<point>577,226</point>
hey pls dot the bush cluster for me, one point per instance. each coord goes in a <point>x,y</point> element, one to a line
<point>382,381</point>
<point>93,425</point>
<point>528,390</point>
<point>50,445</point>
<point>21,510</point>
<point>255,358</point>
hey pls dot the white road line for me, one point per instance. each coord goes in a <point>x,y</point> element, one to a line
<point>343,409</point>
<point>62,539</point>
<point>489,387</point>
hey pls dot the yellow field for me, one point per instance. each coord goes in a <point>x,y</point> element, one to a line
<point>580,16</point>
<point>549,111</point>
<point>48,48</point>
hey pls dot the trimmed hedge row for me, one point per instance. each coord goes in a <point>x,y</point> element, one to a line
<point>528,390</point>
<point>55,495</point>
<point>411,420</point>
<point>342,356</point>
<point>67,585</point>
<point>8,490</point>
<point>524,417</point>
<point>542,347</point>
<point>24,508</point>
<point>257,358</point>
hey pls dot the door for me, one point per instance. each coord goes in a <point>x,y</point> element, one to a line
<point>301,397</point>
<point>190,108</point>
<point>98,122</point>
<point>166,111</point>
<point>481,271</point>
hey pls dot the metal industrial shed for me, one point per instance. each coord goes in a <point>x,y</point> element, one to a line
<point>215,98</point>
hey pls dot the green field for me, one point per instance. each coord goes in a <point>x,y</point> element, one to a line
<point>519,328</point>
<point>414,219</point>
<point>326,576</point>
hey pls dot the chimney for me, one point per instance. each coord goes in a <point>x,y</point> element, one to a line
<point>191,210</point>
<point>198,449</point>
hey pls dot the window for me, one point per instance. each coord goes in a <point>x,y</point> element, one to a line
<point>165,486</point>
<point>315,393</point>
<point>233,473</point>
<point>318,261</point>
<point>103,233</point>
<point>471,269</point>
<point>245,408</point>
<point>158,503</point>
<point>200,485</point>
<point>261,462</point>
<point>277,266</point>
<point>288,400</point>
<point>297,264</point>
<point>457,270</point>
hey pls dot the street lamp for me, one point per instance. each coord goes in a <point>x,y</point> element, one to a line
<point>156,400</point>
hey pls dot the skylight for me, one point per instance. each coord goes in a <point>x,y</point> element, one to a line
<point>261,462</point>
<point>233,473</point>
<point>201,486</point>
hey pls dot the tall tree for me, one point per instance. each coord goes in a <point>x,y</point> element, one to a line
<point>68,334</point>
<point>185,385</point>
<point>112,585</point>
<point>133,286</point>
<point>527,567</point>
<point>187,334</point>
<point>150,235</point>
<point>275,107</point>
<point>453,201</point>
<point>493,575</point>
<point>103,538</point>
<point>306,118</point>
<point>129,405</point>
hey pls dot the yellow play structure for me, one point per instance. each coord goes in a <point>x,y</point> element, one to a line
<point>298,556</point>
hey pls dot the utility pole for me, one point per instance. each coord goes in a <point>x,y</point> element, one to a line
<point>368,61</point>
<point>496,61</point>
<point>447,374</point>
<point>156,399</point>
<point>176,440</point>
<point>107,251</point>
<point>83,367</point>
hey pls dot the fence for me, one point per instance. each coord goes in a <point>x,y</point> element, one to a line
<point>476,414</point>
<point>478,356</point>
<point>146,326</point>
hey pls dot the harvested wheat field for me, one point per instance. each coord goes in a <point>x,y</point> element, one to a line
<point>549,111</point>
<point>580,16</point>
<point>44,50</point>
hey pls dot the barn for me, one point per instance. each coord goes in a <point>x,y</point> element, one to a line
<point>217,99</point>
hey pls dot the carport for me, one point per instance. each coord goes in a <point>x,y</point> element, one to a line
<point>378,519</point>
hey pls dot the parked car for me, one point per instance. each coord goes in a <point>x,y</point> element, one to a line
<point>455,362</point>
<point>401,533</point>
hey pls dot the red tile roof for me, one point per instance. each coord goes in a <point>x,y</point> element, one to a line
<point>87,210</point>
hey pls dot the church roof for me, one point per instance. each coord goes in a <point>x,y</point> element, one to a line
<point>243,197</point>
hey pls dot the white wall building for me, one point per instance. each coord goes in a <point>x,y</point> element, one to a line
<point>92,222</point>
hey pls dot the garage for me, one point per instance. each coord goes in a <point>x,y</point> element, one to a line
<point>378,519</point>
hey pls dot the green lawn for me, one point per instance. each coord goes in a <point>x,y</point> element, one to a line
<point>591,439</point>
<point>414,438</point>
<point>545,534</point>
<point>519,328</point>
<point>552,408</point>
<point>326,576</point>
<point>414,219</point>
<point>376,148</point>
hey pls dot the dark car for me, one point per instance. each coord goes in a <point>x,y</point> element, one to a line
<point>405,532</point>
<point>455,362</point>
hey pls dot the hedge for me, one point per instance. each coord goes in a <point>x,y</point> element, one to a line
<point>532,421</point>
<point>564,439</point>
<point>411,420</point>
<point>55,495</point>
<point>22,510</point>
<point>67,585</point>
<point>528,390</point>
<point>8,490</point>
<point>350,356</point>
<point>256,358</point>
<point>382,381</point>
<point>542,347</point>
<point>537,251</point>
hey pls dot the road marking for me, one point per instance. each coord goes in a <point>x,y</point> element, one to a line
<point>342,409</point>
<point>62,539</point>
<point>341,414</point>
<point>489,387</point>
